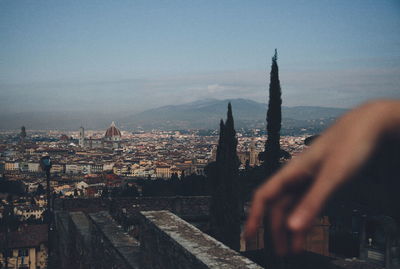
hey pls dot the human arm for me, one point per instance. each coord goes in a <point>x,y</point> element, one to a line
<point>296,194</point>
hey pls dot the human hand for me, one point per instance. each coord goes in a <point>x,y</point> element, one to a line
<point>294,196</point>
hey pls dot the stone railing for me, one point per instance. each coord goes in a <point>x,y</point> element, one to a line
<point>183,206</point>
<point>167,241</point>
<point>95,240</point>
<point>112,247</point>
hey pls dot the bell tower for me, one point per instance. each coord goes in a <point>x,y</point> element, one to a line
<point>81,137</point>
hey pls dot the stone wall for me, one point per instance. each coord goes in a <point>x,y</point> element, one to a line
<point>194,209</point>
<point>167,241</point>
<point>95,240</point>
<point>183,206</point>
<point>86,205</point>
<point>112,247</point>
<point>64,238</point>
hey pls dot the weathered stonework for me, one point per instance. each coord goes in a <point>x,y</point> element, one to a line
<point>194,209</point>
<point>80,242</point>
<point>112,247</point>
<point>86,205</point>
<point>183,206</point>
<point>94,241</point>
<point>166,241</point>
<point>65,237</point>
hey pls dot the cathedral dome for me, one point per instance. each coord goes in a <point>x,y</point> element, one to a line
<point>112,131</point>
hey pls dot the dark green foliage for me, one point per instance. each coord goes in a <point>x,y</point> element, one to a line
<point>11,187</point>
<point>310,139</point>
<point>225,206</point>
<point>193,185</point>
<point>157,187</point>
<point>174,177</point>
<point>274,118</point>
<point>272,152</point>
<point>129,191</point>
<point>250,179</point>
<point>125,191</point>
<point>40,190</point>
<point>105,192</point>
<point>9,221</point>
<point>285,154</point>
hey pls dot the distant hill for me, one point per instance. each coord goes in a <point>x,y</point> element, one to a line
<point>202,114</point>
<point>206,114</point>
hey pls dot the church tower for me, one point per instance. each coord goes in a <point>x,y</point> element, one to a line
<point>253,154</point>
<point>81,137</point>
<point>22,134</point>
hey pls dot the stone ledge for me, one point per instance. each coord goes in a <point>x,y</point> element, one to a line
<point>118,240</point>
<point>167,241</point>
<point>81,223</point>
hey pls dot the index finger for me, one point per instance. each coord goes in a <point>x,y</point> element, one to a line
<point>297,171</point>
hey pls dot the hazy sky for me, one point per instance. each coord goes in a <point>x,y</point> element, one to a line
<point>133,55</point>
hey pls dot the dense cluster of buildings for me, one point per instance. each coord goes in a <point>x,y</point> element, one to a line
<point>157,154</point>
<point>85,162</point>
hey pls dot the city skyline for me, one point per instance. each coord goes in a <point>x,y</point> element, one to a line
<point>125,56</point>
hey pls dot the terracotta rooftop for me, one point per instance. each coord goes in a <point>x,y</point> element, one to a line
<point>112,131</point>
<point>26,236</point>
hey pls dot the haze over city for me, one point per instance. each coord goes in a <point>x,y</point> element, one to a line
<point>129,56</point>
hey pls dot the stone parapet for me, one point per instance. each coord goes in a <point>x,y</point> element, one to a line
<point>167,241</point>
<point>94,241</point>
<point>112,247</point>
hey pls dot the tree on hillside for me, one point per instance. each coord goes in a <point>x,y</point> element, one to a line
<point>129,191</point>
<point>224,175</point>
<point>274,117</point>
<point>272,153</point>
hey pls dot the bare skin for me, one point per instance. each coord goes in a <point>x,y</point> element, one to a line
<point>295,195</point>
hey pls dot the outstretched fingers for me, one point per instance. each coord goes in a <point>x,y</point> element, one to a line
<point>293,174</point>
<point>336,168</point>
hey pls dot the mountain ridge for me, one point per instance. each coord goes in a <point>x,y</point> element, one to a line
<point>199,114</point>
<point>205,114</point>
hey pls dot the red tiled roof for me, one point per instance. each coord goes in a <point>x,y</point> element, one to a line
<point>112,131</point>
<point>27,236</point>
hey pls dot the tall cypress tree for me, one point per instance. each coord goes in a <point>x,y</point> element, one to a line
<point>272,155</point>
<point>274,118</point>
<point>225,203</point>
